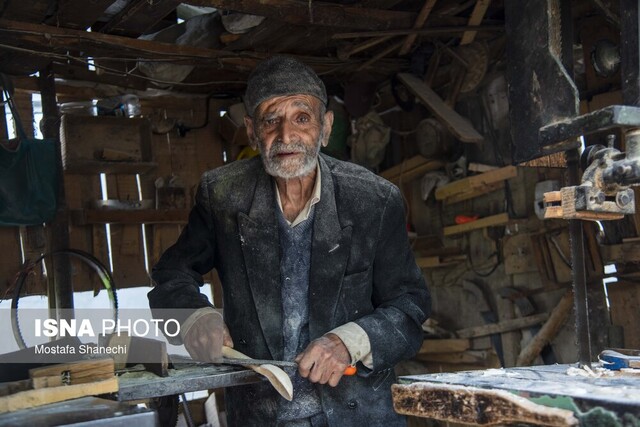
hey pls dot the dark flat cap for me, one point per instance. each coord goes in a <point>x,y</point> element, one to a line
<point>281,76</point>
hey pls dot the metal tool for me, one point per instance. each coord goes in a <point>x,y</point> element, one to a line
<point>247,362</point>
<point>349,370</point>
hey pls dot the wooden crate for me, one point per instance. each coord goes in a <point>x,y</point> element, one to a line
<point>105,144</point>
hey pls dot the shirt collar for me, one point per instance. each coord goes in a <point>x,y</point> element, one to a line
<point>315,198</point>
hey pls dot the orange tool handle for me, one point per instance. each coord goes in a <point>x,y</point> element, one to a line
<point>350,370</point>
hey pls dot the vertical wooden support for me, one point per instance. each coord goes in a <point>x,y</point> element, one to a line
<point>61,296</point>
<point>629,55</point>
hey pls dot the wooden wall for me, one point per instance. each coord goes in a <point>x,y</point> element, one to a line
<point>185,157</point>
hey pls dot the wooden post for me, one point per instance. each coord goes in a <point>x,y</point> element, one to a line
<point>548,331</point>
<point>60,292</point>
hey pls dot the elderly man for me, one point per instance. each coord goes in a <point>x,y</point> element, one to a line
<point>314,261</point>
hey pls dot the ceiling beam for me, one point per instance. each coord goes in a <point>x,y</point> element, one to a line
<point>48,41</point>
<point>317,13</point>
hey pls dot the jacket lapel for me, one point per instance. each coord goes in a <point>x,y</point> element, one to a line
<point>329,254</point>
<point>261,250</point>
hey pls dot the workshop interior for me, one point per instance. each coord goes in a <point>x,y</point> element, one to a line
<point>511,128</point>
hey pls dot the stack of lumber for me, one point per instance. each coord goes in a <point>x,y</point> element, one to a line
<point>57,383</point>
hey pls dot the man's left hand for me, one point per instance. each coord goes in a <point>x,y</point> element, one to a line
<point>324,360</point>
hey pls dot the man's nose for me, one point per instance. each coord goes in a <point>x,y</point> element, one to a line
<point>285,131</point>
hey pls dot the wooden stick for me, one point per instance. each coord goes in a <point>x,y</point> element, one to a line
<point>504,326</point>
<point>476,18</point>
<point>420,20</point>
<point>346,54</point>
<point>380,55</point>
<point>433,31</point>
<point>548,331</point>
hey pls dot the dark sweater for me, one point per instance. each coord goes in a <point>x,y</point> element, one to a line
<point>295,247</point>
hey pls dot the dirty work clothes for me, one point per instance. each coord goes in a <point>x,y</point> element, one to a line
<point>362,270</point>
<point>295,260</point>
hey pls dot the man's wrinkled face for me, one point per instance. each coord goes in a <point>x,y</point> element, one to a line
<point>288,131</point>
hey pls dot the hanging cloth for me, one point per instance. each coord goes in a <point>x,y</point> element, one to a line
<point>28,174</point>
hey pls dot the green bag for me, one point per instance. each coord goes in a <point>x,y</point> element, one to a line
<point>28,177</point>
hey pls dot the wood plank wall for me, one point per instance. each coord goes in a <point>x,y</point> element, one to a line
<point>185,157</point>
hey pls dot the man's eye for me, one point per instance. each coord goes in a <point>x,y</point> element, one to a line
<point>303,118</point>
<point>270,122</point>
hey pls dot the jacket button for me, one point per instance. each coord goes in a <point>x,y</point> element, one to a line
<point>352,404</point>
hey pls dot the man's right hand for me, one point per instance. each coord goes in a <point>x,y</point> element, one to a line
<point>205,338</point>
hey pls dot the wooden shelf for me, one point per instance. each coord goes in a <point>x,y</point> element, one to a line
<point>92,167</point>
<point>129,216</point>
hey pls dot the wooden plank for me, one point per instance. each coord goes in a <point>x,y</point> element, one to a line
<point>548,332</point>
<point>43,396</point>
<point>437,261</point>
<point>470,405</point>
<point>624,300</point>
<point>126,244</point>
<point>489,221</point>
<point>504,326</point>
<point>423,15</point>
<point>411,169</point>
<point>450,345</point>
<point>466,188</point>
<point>85,371</point>
<point>476,19</point>
<point>137,216</point>
<point>458,125</point>
<point>80,190</point>
<point>424,32</point>
<point>406,165</point>
<point>320,13</point>
<point>12,387</point>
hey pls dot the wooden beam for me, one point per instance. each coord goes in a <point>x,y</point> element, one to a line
<point>316,13</point>
<point>134,216</point>
<point>489,221</point>
<point>346,53</point>
<point>504,326</point>
<point>457,125</point>
<point>548,332</point>
<point>48,38</point>
<point>380,55</point>
<point>425,32</point>
<point>420,20</point>
<point>411,169</point>
<point>476,18</point>
<point>475,185</point>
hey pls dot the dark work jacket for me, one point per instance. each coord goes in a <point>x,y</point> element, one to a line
<point>362,270</point>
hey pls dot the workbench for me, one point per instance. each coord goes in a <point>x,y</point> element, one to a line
<point>183,378</point>
<point>542,395</point>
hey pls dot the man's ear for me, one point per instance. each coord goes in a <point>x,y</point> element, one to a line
<point>248,122</point>
<point>328,124</point>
